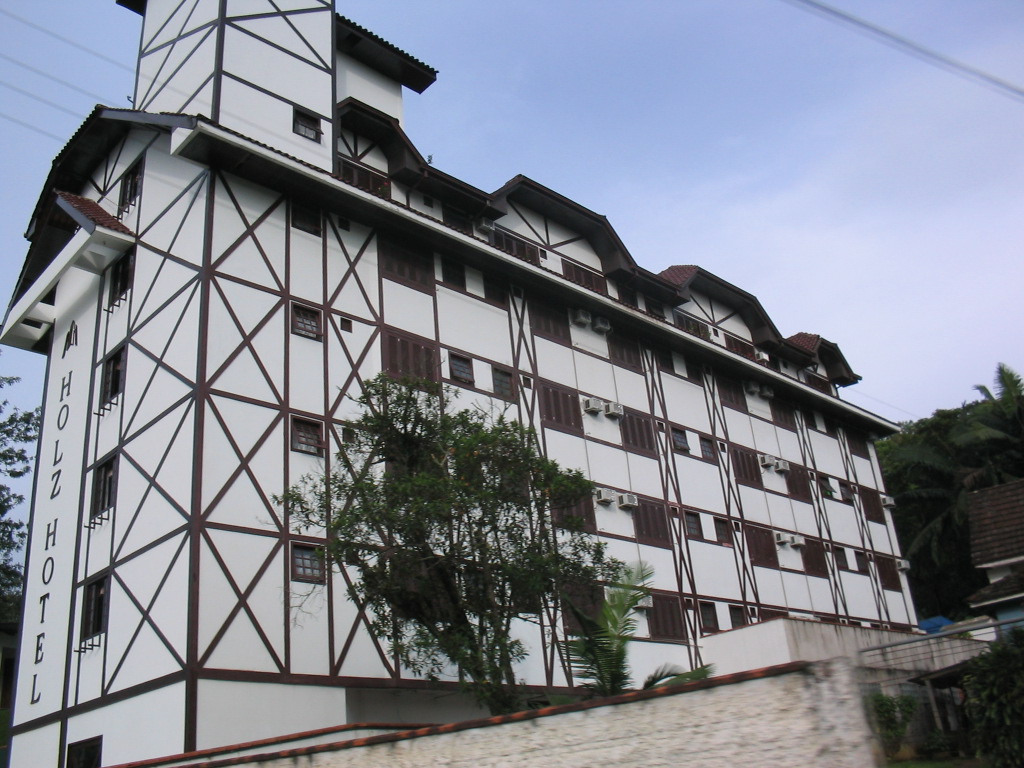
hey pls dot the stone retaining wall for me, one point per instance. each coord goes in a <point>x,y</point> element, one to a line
<point>800,714</point>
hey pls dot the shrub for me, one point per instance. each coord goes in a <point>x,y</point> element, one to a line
<point>995,701</point>
<point>892,717</point>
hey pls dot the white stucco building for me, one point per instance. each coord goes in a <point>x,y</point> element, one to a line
<point>211,273</point>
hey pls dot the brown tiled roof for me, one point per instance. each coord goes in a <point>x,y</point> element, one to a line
<point>997,591</point>
<point>94,212</point>
<point>806,341</point>
<point>997,523</point>
<point>679,274</point>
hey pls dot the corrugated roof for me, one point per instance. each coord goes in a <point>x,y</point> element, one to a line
<point>390,46</point>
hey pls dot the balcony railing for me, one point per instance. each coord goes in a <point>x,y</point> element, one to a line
<point>739,346</point>
<point>364,178</point>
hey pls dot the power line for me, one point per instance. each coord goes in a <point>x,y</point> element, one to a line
<point>858,393</point>
<point>40,99</point>
<point>65,83</point>
<point>926,55</point>
<point>67,41</point>
<point>31,127</point>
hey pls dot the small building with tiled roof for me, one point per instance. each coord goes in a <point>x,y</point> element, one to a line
<point>997,547</point>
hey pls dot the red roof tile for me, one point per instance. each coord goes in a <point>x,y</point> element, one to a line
<point>997,523</point>
<point>680,274</point>
<point>806,341</point>
<point>94,212</point>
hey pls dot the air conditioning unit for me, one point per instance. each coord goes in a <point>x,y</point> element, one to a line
<point>796,540</point>
<point>766,461</point>
<point>580,317</point>
<point>760,356</point>
<point>604,496</point>
<point>628,501</point>
<point>902,565</point>
<point>888,501</point>
<point>767,392</point>
<point>645,603</point>
<point>781,539</point>
<point>601,325</point>
<point>781,465</point>
<point>614,410</point>
<point>752,387</point>
<point>593,404</point>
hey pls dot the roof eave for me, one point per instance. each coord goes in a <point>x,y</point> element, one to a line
<point>376,52</point>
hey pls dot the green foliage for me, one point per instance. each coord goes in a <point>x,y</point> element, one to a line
<point>936,743</point>
<point>444,520</point>
<point>931,467</point>
<point>670,675</point>
<point>598,654</point>
<point>892,718</point>
<point>17,429</point>
<point>995,701</point>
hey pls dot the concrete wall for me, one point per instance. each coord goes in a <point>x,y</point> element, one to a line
<point>802,714</point>
<point>783,640</point>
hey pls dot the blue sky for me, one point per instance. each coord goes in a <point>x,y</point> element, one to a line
<point>857,191</point>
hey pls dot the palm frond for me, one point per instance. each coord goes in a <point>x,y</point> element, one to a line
<point>668,674</point>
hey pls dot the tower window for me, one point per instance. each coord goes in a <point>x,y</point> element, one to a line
<point>307,321</point>
<point>461,368</point>
<point>113,377</point>
<point>104,489</point>
<point>307,125</point>
<point>131,188</point>
<point>679,440</point>
<point>86,754</point>
<point>708,617</point>
<point>503,383</point>
<point>119,279</point>
<point>307,219</point>
<point>96,595</point>
<point>308,436</point>
<point>308,564</point>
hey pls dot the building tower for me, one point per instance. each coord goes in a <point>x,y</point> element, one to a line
<point>211,273</point>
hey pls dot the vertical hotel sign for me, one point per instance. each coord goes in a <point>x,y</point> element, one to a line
<point>48,628</point>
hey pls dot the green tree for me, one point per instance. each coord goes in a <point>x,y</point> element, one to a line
<point>18,429</point>
<point>994,682</point>
<point>931,467</point>
<point>445,521</point>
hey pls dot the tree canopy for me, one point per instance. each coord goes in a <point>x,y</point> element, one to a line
<point>18,429</point>
<point>931,466</point>
<point>444,520</point>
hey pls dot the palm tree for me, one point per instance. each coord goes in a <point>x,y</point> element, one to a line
<point>997,427</point>
<point>933,466</point>
<point>598,654</point>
